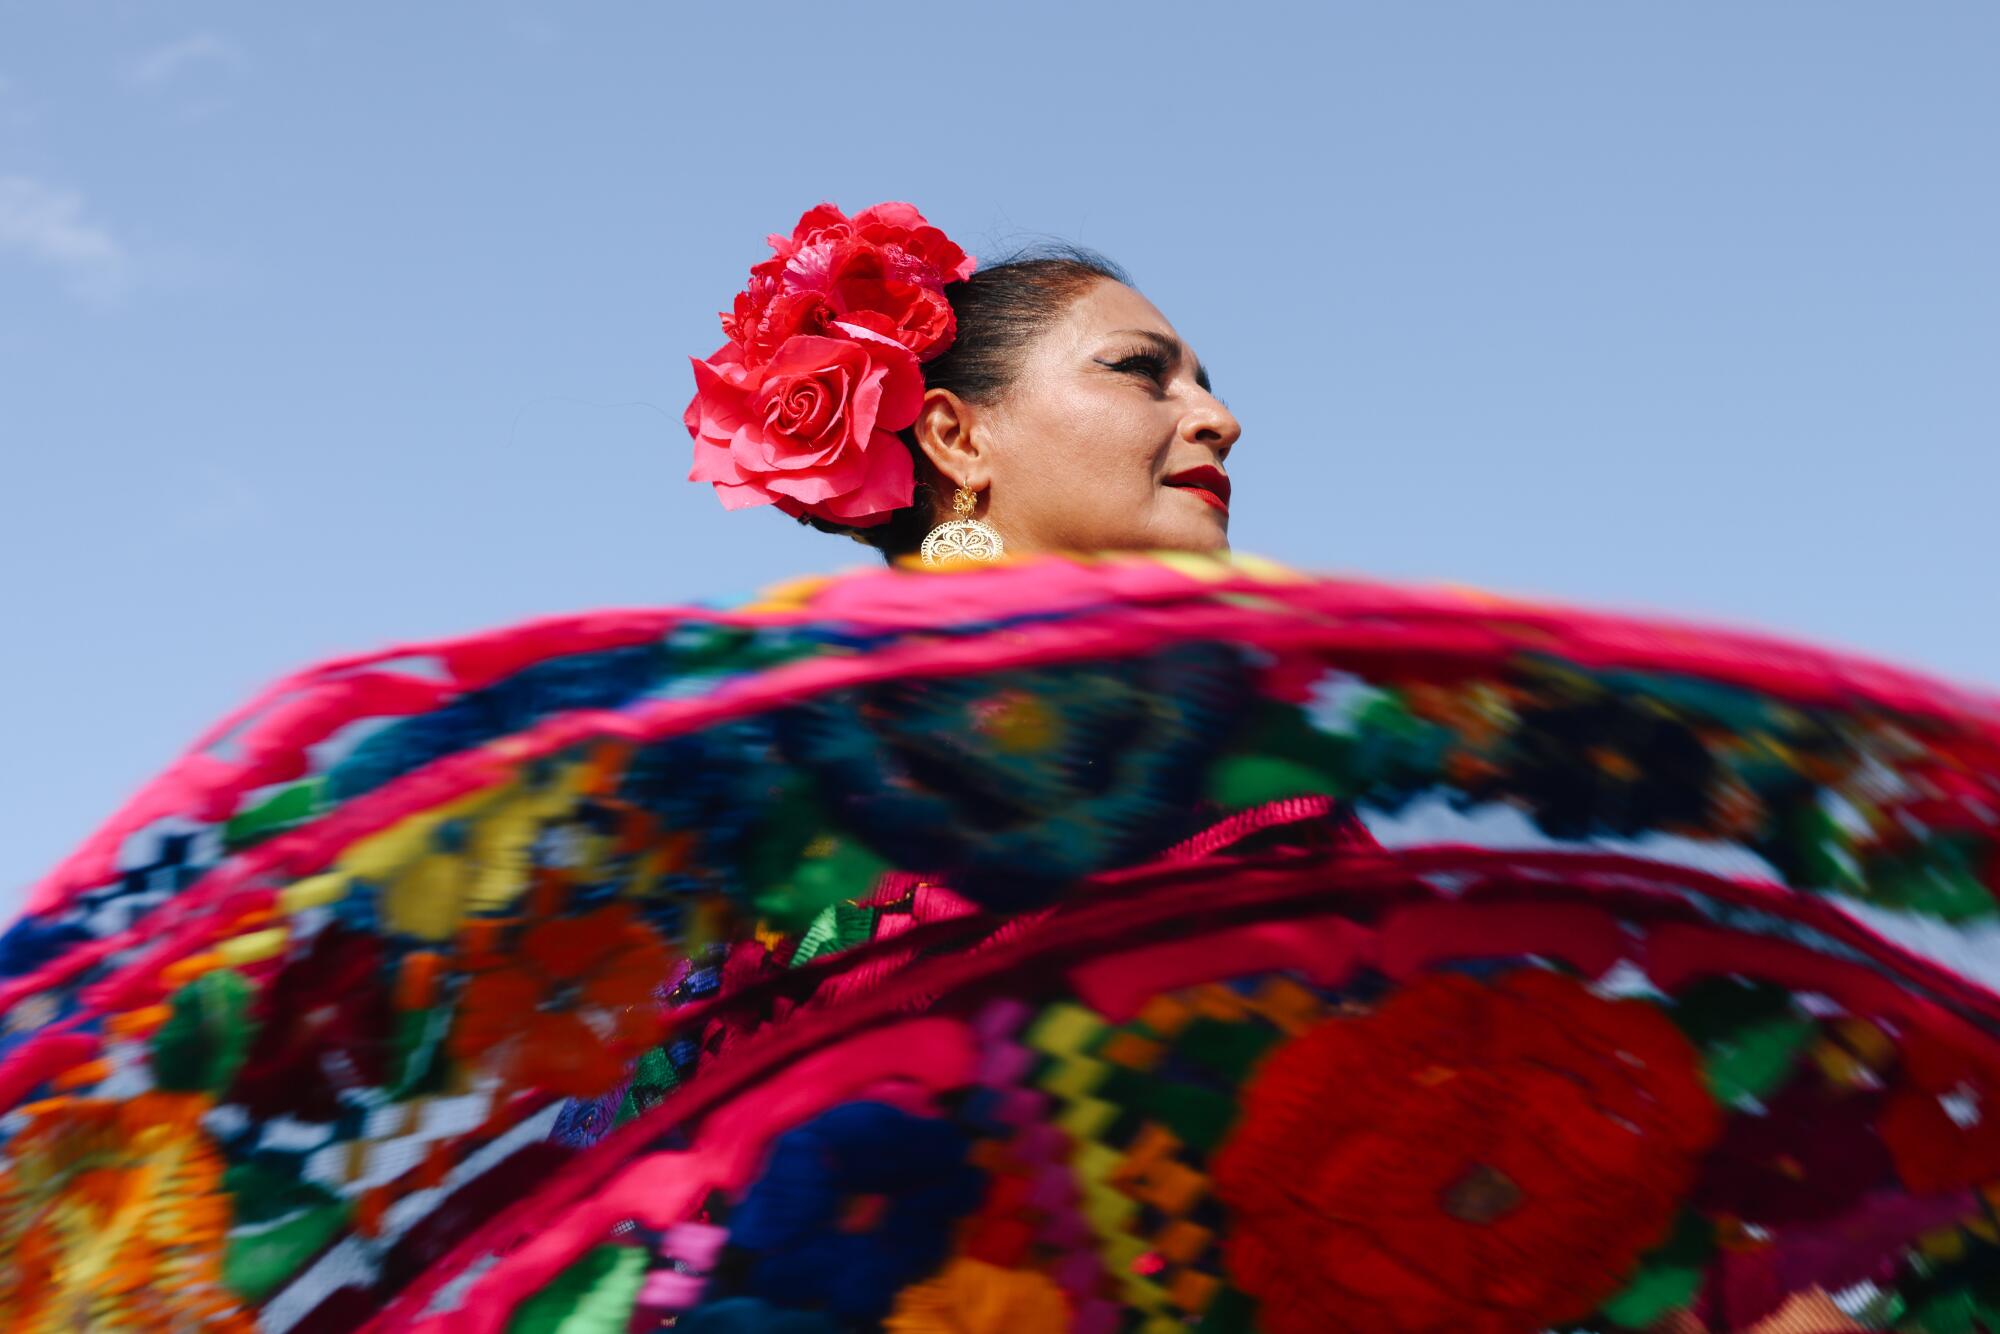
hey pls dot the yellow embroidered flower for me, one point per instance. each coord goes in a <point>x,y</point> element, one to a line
<point>112,1217</point>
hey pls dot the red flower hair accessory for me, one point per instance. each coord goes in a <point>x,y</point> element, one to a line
<point>800,408</point>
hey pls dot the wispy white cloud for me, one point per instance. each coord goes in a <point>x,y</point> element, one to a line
<point>49,225</point>
<point>163,64</point>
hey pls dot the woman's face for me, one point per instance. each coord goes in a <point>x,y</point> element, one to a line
<point>1109,438</point>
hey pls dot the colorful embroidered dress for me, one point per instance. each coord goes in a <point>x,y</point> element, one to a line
<point>1088,945</point>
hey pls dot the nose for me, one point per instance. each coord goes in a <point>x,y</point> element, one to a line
<point>1210,422</point>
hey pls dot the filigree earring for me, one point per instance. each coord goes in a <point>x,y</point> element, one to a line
<point>963,538</point>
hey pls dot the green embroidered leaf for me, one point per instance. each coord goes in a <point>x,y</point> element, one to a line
<point>204,1040</point>
<point>1755,1060</point>
<point>265,1191</point>
<point>839,927</point>
<point>419,1062</point>
<point>653,1078</point>
<point>593,1296</point>
<point>1803,841</point>
<point>1749,1033</point>
<point>1229,1050</point>
<point>280,1222</point>
<point>1958,1311</point>
<point>1242,781</point>
<point>1938,878</point>
<point>1395,753</point>
<point>1280,753</point>
<point>291,806</point>
<point>831,870</point>
<point>790,821</point>
<point>1668,1277</point>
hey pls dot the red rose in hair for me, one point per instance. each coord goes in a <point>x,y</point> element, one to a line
<point>1491,1159</point>
<point>864,289</point>
<point>765,316</point>
<point>812,430</point>
<point>883,270</point>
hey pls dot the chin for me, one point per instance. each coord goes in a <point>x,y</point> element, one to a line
<point>1214,539</point>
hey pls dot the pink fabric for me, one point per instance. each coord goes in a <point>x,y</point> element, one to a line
<point>668,1291</point>
<point>41,1058</point>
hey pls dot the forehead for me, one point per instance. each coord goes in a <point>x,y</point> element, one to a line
<point>1109,306</point>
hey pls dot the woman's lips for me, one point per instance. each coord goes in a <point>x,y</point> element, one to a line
<point>1207,495</point>
<point>1211,484</point>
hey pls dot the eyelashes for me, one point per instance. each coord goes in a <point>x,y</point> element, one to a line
<point>1156,363</point>
<point>1151,365</point>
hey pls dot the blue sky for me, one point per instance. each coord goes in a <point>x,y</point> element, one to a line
<point>324,327</point>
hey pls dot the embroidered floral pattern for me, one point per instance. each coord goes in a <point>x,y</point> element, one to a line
<point>971,1297</point>
<point>323,1030</point>
<point>112,1217</point>
<point>569,1006</point>
<point>1942,1125</point>
<point>853,1205</point>
<point>335,971</point>
<point>1471,1157</point>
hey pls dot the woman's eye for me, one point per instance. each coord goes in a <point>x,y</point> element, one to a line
<point>1153,368</point>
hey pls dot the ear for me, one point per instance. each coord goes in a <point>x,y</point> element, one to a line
<point>947,429</point>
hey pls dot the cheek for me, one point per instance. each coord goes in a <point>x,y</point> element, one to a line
<point>1080,467</point>
<point>1096,444</point>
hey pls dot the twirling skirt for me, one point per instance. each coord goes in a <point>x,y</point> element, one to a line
<point>1131,944</point>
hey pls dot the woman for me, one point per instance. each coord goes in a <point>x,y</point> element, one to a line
<point>997,948</point>
<point>1046,396</point>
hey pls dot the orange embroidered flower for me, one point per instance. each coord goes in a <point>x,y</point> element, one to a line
<point>569,1007</point>
<point>1491,1159</point>
<point>973,1297</point>
<point>112,1217</point>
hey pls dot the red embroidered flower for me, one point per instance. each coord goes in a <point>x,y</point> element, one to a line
<point>1479,1158</point>
<point>570,1007</point>
<point>1942,1124</point>
<point>810,431</point>
<point>324,1028</point>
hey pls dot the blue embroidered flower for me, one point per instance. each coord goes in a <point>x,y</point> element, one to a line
<point>853,1206</point>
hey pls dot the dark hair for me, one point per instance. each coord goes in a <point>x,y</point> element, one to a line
<point>1000,309</point>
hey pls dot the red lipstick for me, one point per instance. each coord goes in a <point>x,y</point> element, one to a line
<point>1210,483</point>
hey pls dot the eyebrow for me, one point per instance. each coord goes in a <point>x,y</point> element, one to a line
<point>1173,350</point>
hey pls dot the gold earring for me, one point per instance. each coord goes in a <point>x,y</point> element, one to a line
<point>963,538</point>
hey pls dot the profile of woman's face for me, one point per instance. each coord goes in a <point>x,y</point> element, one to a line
<point>1109,438</point>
